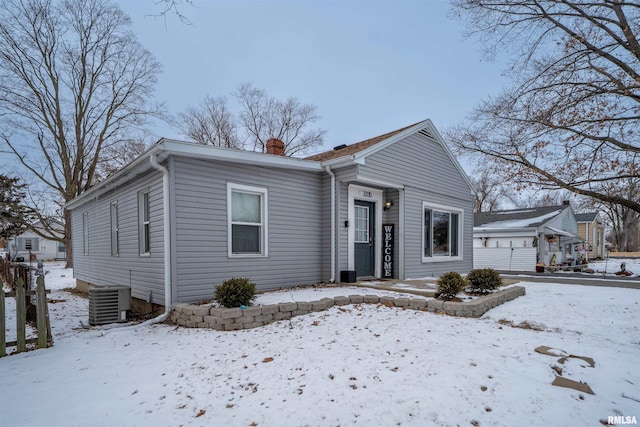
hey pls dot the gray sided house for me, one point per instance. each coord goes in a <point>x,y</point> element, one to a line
<point>518,239</point>
<point>185,217</point>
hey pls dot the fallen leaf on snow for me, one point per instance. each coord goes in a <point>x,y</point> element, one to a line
<point>267,360</point>
<point>201,413</point>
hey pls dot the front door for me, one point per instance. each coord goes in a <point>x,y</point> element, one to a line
<point>364,239</point>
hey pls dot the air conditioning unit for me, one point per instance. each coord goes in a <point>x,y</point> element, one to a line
<point>109,304</point>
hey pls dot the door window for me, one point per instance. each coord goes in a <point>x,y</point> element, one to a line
<point>361,216</point>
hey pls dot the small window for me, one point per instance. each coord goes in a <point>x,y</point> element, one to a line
<point>441,233</point>
<point>115,237</point>
<point>144,237</point>
<point>85,233</point>
<point>247,218</point>
<point>26,244</point>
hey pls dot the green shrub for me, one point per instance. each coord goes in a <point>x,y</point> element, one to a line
<point>235,292</point>
<point>483,280</point>
<point>449,285</point>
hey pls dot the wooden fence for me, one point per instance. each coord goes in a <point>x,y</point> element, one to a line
<point>42,323</point>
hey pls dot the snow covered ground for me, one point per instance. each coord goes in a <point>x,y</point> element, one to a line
<point>612,265</point>
<point>364,365</point>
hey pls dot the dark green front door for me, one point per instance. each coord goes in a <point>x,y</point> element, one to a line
<point>364,214</point>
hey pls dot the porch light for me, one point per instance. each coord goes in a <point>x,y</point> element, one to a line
<point>388,204</point>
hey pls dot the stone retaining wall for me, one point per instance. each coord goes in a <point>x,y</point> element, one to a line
<point>232,319</point>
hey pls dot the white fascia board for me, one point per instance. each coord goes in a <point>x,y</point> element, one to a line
<point>359,157</point>
<point>425,124</point>
<point>519,231</point>
<point>391,140</point>
<point>560,232</point>
<point>339,161</point>
<point>189,149</point>
<point>112,180</point>
<point>166,147</point>
<point>453,158</point>
<point>378,182</point>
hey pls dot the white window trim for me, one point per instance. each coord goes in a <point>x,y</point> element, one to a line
<point>264,241</point>
<point>449,209</point>
<point>114,228</point>
<point>85,233</point>
<point>141,223</point>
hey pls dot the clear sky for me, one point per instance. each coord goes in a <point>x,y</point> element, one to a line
<point>369,66</point>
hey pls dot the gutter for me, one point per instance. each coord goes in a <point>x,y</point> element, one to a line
<point>167,239</point>
<point>333,224</point>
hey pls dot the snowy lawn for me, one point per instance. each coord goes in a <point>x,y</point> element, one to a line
<point>612,265</point>
<point>366,365</point>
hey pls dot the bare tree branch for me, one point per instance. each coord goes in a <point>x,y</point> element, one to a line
<point>74,81</point>
<point>571,119</point>
<point>261,117</point>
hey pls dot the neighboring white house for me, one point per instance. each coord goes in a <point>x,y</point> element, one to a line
<point>41,248</point>
<point>516,240</point>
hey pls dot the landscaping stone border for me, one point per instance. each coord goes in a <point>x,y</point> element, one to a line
<point>233,319</point>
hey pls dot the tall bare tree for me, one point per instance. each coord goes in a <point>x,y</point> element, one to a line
<point>74,82</point>
<point>623,221</point>
<point>264,117</point>
<point>571,118</point>
<point>211,123</point>
<point>260,118</point>
<point>116,156</point>
<point>491,191</point>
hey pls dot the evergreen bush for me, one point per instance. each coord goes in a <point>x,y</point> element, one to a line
<point>449,285</point>
<point>483,280</point>
<point>235,292</point>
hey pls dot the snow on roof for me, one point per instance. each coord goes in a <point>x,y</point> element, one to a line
<point>524,222</point>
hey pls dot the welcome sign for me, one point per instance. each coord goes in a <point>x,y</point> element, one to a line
<point>387,250</point>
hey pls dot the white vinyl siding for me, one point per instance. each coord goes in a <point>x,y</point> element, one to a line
<point>441,233</point>
<point>144,233</point>
<point>115,233</point>
<point>247,220</point>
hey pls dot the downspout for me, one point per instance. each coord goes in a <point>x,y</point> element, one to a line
<point>333,224</point>
<point>167,239</point>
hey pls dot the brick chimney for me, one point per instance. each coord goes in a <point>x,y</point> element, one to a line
<point>275,146</point>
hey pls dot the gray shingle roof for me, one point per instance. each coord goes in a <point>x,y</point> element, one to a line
<point>487,218</point>
<point>586,217</point>
<point>355,148</point>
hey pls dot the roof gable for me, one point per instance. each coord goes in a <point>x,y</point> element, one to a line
<point>513,218</point>
<point>586,217</point>
<point>357,153</point>
<point>352,149</point>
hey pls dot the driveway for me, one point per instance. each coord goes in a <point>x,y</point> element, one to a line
<point>575,279</point>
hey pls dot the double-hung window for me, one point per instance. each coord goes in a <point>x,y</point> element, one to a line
<point>247,220</point>
<point>115,231</point>
<point>144,237</point>
<point>441,233</point>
